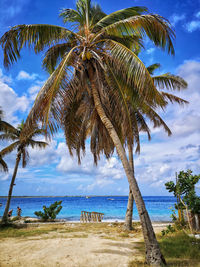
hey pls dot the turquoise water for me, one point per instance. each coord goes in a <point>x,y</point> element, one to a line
<point>114,207</point>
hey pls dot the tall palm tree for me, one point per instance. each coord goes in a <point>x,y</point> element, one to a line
<point>95,54</point>
<point>19,142</point>
<point>170,82</point>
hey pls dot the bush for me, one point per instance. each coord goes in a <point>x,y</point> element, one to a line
<point>49,213</point>
<point>170,229</point>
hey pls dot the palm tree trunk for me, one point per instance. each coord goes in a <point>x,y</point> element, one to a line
<point>5,215</point>
<point>153,253</point>
<point>129,211</point>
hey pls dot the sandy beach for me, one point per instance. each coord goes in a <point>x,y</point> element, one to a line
<point>74,245</point>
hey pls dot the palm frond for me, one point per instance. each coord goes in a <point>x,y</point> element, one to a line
<point>96,14</point>
<point>9,148</point>
<point>41,109</point>
<point>37,36</point>
<point>38,144</point>
<point>142,125</point>
<point>154,118</point>
<point>170,82</point>
<point>3,165</point>
<point>70,15</point>
<point>153,67</point>
<point>1,114</point>
<point>7,127</point>
<point>173,98</point>
<point>154,26</point>
<point>119,16</point>
<point>131,68</point>
<point>8,137</point>
<point>55,54</point>
<point>25,158</point>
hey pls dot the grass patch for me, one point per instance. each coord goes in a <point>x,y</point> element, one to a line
<point>180,245</point>
<point>26,230</point>
<point>170,263</point>
<point>13,232</point>
<point>79,236</point>
<point>125,234</point>
<point>110,237</point>
<point>178,248</point>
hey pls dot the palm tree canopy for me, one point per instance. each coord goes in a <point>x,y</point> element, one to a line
<point>110,43</point>
<point>21,139</point>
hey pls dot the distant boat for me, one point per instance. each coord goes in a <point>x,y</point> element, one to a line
<point>110,198</point>
<point>87,197</point>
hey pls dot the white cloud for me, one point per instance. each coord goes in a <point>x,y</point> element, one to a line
<point>193,25</point>
<point>104,173</point>
<point>150,50</point>
<point>4,176</point>
<point>34,89</point>
<point>23,75</point>
<point>175,18</point>
<point>46,156</point>
<point>4,78</point>
<point>11,102</point>
<point>198,14</point>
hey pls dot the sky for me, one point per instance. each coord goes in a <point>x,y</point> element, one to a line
<point>52,171</point>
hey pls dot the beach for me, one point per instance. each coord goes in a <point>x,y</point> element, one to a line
<point>73,245</point>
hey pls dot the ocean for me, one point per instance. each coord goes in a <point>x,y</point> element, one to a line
<point>113,207</point>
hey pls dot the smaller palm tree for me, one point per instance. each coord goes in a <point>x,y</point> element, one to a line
<point>163,81</point>
<point>21,139</point>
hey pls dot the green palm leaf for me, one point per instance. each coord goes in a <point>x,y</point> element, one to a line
<point>9,136</point>
<point>38,144</point>
<point>10,148</point>
<point>131,68</point>
<point>173,98</point>
<point>119,16</point>
<point>154,26</point>
<point>3,165</point>
<point>41,109</point>
<point>56,54</point>
<point>154,118</point>
<point>170,82</point>
<point>37,36</point>
<point>153,67</point>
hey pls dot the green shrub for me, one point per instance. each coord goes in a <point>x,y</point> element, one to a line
<point>170,229</point>
<point>49,213</point>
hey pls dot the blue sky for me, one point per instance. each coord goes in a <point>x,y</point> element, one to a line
<point>53,171</point>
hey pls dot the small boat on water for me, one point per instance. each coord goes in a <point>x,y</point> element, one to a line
<point>87,197</point>
<point>110,198</point>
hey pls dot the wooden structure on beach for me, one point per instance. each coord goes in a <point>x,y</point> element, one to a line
<point>93,216</point>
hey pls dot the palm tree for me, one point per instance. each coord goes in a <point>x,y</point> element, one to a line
<point>170,82</point>
<point>20,142</point>
<point>95,54</point>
